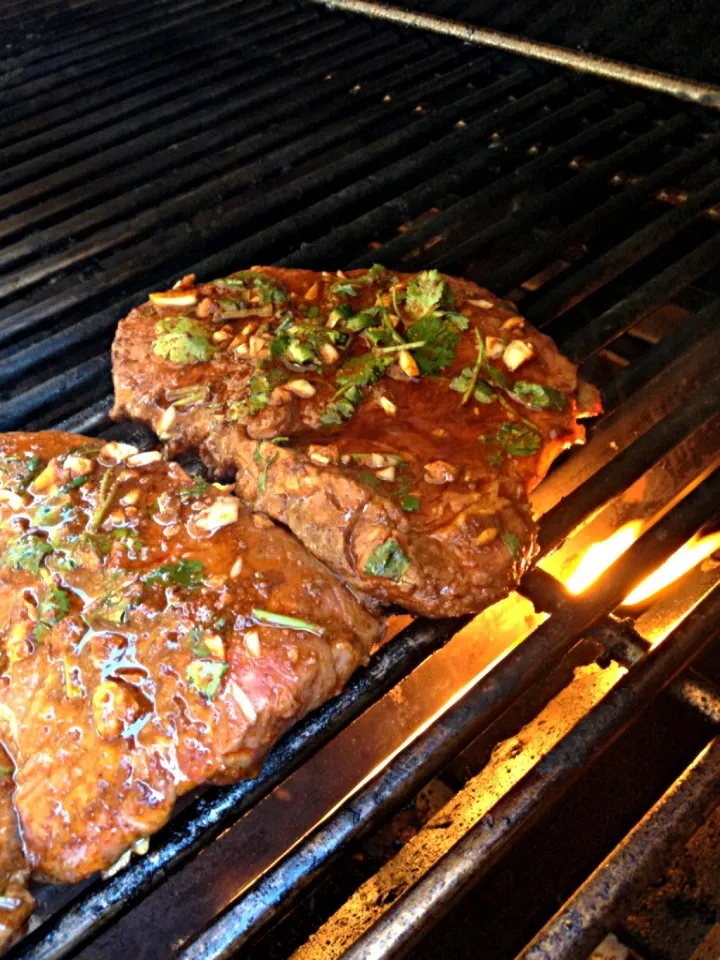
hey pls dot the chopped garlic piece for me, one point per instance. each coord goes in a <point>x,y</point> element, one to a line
<point>118,451</point>
<point>516,353</point>
<point>172,298</point>
<point>388,406</point>
<point>219,513</point>
<point>143,459</point>
<point>301,388</point>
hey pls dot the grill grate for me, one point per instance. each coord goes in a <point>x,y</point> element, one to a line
<point>285,132</point>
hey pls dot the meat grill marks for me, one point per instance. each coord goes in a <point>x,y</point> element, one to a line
<point>394,422</point>
<point>156,636</point>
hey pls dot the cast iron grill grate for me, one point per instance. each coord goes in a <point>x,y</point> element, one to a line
<point>142,141</point>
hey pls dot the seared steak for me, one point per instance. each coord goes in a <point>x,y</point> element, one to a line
<point>155,635</point>
<point>394,422</point>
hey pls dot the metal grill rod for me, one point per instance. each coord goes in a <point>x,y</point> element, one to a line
<point>583,921</point>
<point>419,762</point>
<point>706,95</point>
<point>413,914</point>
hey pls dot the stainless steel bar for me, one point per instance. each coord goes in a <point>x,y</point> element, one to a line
<point>412,914</point>
<point>582,922</point>
<point>707,95</point>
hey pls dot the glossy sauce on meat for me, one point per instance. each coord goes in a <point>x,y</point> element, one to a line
<point>155,635</point>
<point>410,414</point>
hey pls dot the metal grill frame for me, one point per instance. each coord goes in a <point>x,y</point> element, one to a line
<point>265,153</point>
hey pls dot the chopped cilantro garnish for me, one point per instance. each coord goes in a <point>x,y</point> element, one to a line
<point>205,676</point>
<point>26,552</point>
<point>497,377</point>
<point>425,293</point>
<point>538,396</point>
<point>74,483</point>
<point>53,607</point>
<point>441,340</point>
<point>368,478</point>
<point>263,475</point>
<point>32,465</point>
<point>495,458</point>
<point>197,645</point>
<point>108,486</point>
<point>194,489</point>
<point>518,439</point>
<point>281,620</point>
<point>182,340</point>
<point>184,573</point>
<point>387,560</point>
<point>409,503</point>
<point>512,542</point>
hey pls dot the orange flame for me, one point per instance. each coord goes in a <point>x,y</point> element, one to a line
<point>688,556</point>
<point>599,556</point>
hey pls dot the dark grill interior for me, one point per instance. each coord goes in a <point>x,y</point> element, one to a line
<point>143,141</point>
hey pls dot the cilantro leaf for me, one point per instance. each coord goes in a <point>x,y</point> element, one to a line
<point>184,573</point>
<point>425,292</point>
<point>387,560</point>
<point>362,371</point>
<point>518,439</point>
<point>538,396</point>
<point>182,340</point>
<point>263,475</point>
<point>441,340</point>
<point>409,503</point>
<point>512,542</point>
<point>53,607</point>
<point>194,489</point>
<point>205,676</point>
<point>26,552</point>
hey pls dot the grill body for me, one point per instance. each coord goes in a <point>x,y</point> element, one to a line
<point>143,141</point>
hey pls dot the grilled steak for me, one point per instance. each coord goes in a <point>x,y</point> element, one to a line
<point>395,423</point>
<point>155,636</point>
<point>16,902</point>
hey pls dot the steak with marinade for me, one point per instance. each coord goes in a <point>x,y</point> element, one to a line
<point>394,422</point>
<point>155,635</point>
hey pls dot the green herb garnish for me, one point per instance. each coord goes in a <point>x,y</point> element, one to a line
<point>538,396</point>
<point>195,489</point>
<point>26,552</point>
<point>441,340</point>
<point>426,292</point>
<point>205,676</point>
<point>263,475</point>
<point>409,503</point>
<point>280,620</point>
<point>518,439</point>
<point>108,487</point>
<point>53,606</point>
<point>387,560</point>
<point>512,542</point>
<point>368,478</point>
<point>184,573</point>
<point>182,340</point>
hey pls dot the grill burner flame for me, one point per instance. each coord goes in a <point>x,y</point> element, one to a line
<point>601,555</point>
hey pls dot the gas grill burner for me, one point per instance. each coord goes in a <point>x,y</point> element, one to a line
<point>567,742</point>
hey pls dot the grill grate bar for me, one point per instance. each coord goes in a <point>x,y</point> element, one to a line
<point>184,79</point>
<point>70,42</point>
<point>121,47</point>
<point>116,133</point>
<point>454,730</point>
<point>628,312</point>
<point>416,911</point>
<point>628,466</point>
<point>238,176</point>
<point>274,202</point>
<point>554,299</point>
<point>565,194</point>
<point>188,129</point>
<point>416,200</point>
<point>582,921</point>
